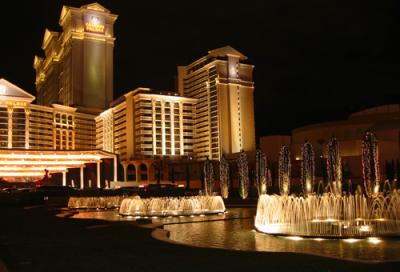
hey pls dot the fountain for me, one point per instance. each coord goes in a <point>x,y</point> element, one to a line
<point>332,214</point>
<point>102,202</point>
<point>243,170</point>
<point>370,163</point>
<point>208,171</point>
<point>307,168</point>
<point>329,215</point>
<point>172,206</point>
<point>334,166</point>
<point>261,172</point>
<point>224,177</point>
<point>284,170</point>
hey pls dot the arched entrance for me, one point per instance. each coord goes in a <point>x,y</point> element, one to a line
<point>143,172</point>
<point>131,172</point>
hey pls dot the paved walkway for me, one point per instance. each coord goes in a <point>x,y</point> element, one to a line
<point>36,240</point>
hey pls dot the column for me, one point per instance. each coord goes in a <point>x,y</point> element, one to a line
<point>66,132</point>
<point>27,114</point>
<point>209,121</point>
<point>61,133</point>
<point>82,178</point>
<point>10,125</point>
<point>172,128</point>
<point>55,131</point>
<point>137,168</point>
<point>64,178</point>
<point>153,108</point>
<point>98,174</point>
<point>73,133</point>
<point>61,139</point>
<point>125,166</point>
<point>182,147</point>
<point>163,127</point>
<point>148,171</point>
<point>115,168</point>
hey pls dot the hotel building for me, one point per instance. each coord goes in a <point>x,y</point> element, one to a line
<point>143,125</point>
<point>224,87</point>
<point>36,138</point>
<point>77,123</point>
<point>77,69</point>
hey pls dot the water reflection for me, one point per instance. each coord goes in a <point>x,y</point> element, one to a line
<point>239,234</point>
<point>235,230</point>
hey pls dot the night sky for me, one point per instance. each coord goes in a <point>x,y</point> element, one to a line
<point>315,60</point>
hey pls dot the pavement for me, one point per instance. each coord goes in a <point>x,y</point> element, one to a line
<point>34,239</point>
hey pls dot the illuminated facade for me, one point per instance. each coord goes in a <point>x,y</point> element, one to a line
<point>24,125</point>
<point>143,124</point>
<point>34,138</point>
<point>161,125</point>
<point>78,66</point>
<point>224,87</point>
<point>212,115</point>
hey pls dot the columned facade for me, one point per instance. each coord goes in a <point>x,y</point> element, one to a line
<point>29,132</point>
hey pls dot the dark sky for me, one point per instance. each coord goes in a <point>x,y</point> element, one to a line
<point>315,60</point>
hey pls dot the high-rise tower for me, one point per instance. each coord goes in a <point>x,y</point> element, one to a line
<point>78,66</point>
<point>224,87</point>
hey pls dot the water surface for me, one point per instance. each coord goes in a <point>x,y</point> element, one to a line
<point>235,230</point>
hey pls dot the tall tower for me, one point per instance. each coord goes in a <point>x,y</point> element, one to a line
<point>224,87</point>
<point>78,66</point>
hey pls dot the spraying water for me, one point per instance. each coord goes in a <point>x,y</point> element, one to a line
<point>172,206</point>
<point>333,214</point>
<point>307,168</point>
<point>103,202</point>
<point>243,169</point>
<point>224,177</point>
<point>284,170</point>
<point>334,166</point>
<point>261,172</point>
<point>330,215</point>
<point>370,164</point>
<point>208,171</point>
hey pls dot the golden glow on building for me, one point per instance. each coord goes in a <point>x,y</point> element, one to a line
<point>161,125</point>
<point>94,26</point>
<point>34,163</point>
<point>34,138</point>
<point>212,115</point>
<point>78,64</point>
<point>224,117</point>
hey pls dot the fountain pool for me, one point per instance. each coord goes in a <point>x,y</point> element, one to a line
<point>172,206</point>
<point>330,215</point>
<point>239,234</point>
<point>103,202</point>
<point>234,230</point>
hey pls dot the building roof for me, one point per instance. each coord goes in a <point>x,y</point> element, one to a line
<point>146,91</point>
<point>96,6</point>
<point>33,163</point>
<point>385,109</point>
<point>9,91</point>
<point>381,117</point>
<point>226,51</point>
<point>48,35</point>
<point>93,6</point>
